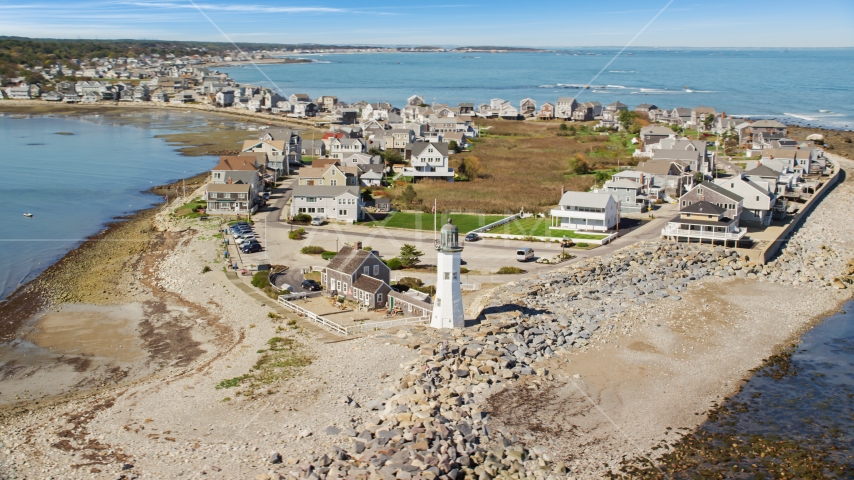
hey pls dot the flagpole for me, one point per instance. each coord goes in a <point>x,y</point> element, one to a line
<point>434,221</point>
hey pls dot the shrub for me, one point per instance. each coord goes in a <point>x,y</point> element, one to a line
<point>368,248</point>
<point>302,218</point>
<point>410,282</point>
<point>297,234</point>
<point>328,255</point>
<point>394,264</point>
<point>206,269</point>
<point>578,165</point>
<point>312,250</point>
<point>260,279</point>
<point>510,271</point>
<point>464,270</point>
<point>429,290</point>
<point>563,127</point>
<point>582,245</point>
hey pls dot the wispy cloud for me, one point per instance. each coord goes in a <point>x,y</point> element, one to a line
<point>238,8</point>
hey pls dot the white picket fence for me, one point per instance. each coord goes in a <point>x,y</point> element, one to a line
<point>284,300</point>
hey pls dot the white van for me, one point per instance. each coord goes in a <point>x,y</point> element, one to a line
<point>524,254</point>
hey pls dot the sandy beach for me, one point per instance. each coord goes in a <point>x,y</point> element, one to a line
<point>144,360</point>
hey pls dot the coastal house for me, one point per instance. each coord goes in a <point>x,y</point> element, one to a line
<point>358,275</point>
<point>703,221</point>
<point>776,180</point>
<point>341,203</point>
<point>628,192</point>
<point>700,116</point>
<point>276,150</point>
<point>653,134</point>
<point>333,174</point>
<point>415,101</point>
<point>714,194</point>
<point>292,139</point>
<point>240,170</point>
<point>644,110</point>
<point>52,96</point>
<point>224,98</point>
<point>694,152</point>
<point>758,198</point>
<point>228,199</point>
<point>670,177</point>
<point>398,138</point>
<point>356,159</point>
<point>611,112</point>
<point>18,93</point>
<point>587,111</point>
<point>466,109</point>
<point>299,97</point>
<point>141,94</point>
<point>680,116</point>
<point>428,160</point>
<point>565,107</point>
<point>371,175</point>
<point>547,112</point>
<point>303,110</point>
<point>314,148</point>
<point>345,146</point>
<point>528,107</point>
<point>327,103</point>
<point>586,211</point>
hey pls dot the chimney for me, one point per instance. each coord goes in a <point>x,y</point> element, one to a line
<point>230,180</point>
<point>562,190</point>
<point>357,245</point>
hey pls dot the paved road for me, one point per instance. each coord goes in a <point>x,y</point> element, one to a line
<point>482,257</point>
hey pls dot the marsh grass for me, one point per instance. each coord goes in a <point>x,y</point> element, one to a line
<point>282,359</point>
<point>525,165</point>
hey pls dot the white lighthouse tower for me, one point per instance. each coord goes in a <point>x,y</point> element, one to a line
<point>448,305</point>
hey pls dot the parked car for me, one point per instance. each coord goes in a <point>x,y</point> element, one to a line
<point>317,221</point>
<point>472,237</point>
<point>251,248</point>
<point>311,285</point>
<point>240,231</point>
<point>524,254</point>
<point>245,238</point>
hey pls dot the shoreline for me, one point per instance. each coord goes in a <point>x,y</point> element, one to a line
<point>263,61</point>
<point>41,294</point>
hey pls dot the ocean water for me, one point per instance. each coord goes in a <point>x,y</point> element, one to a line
<point>803,86</point>
<point>75,184</point>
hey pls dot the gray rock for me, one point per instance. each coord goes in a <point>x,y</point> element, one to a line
<point>275,457</point>
<point>330,430</point>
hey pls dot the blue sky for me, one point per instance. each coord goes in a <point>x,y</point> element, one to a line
<point>754,23</point>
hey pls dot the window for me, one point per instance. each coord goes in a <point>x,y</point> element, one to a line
<point>699,191</point>
<point>438,302</point>
<point>455,275</point>
<point>379,298</point>
<point>376,270</point>
<point>339,286</point>
<point>320,182</point>
<point>447,275</point>
<point>311,199</point>
<point>366,270</point>
<point>345,287</point>
<point>757,198</point>
<point>342,213</point>
<point>331,182</point>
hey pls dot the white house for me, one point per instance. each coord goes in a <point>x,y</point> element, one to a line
<point>429,160</point>
<point>586,211</point>
<point>341,203</point>
<point>341,147</point>
<point>565,107</point>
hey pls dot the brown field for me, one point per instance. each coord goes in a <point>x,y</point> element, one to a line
<point>525,165</point>
<point>838,142</point>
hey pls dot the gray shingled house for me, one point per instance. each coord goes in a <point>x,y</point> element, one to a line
<point>358,275</point>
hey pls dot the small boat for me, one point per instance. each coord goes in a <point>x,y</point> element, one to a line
<point>28,214</point>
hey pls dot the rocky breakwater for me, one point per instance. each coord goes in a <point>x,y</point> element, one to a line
<point>431,423</point>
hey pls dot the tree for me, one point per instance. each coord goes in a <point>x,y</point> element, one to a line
<point>572,130</point>
<point>563,127</point>
<point>470,168</point>
<point>409,195</point>
<point>454,147</point>
<point>393,157</point>
<point>578,165</point>
<point>409,255</point>
<point>625,118</point>
<point>707,122</point>
<point>699,177</point>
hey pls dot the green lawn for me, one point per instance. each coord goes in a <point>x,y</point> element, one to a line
<point>538,227</point>
<point>424,221</point>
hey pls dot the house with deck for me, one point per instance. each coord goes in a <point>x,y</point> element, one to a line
<point>547,112</point>
<point>428,160</point>
<point>340,147</point>
<point>710,192</point>
<point>242,171</point>
<point>704,222</point>
<point>586,211</point>
<point>228,199</point>
<point>528,107</point>
<point>565,107</point>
